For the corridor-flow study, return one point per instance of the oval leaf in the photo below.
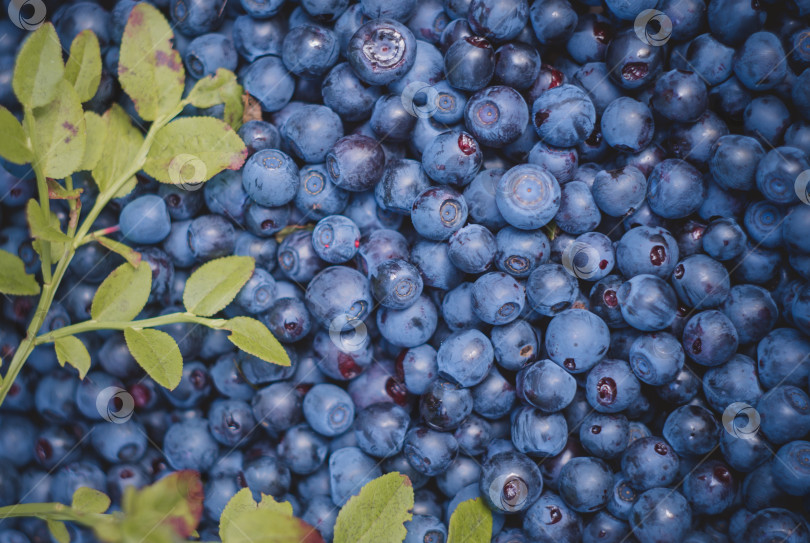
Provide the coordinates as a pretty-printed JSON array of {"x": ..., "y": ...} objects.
[
  {"x": 254, "y": 338},
  {"x": 216, "y": 283},
  {"x": 39, "y": 69},
  {"x": 58, "y": 530},
  {"x": 471, "y": 523},
  {"x": 208, "y": 143},
  {"x": 123, "y": 294},
  {"x": 90, "y": 500},
  {"x": 59, "y": 133},
  {"x": 243, "y": 501},
  {"x": 378, "y": 512},
  {"x": 71, "y": 350},
  {"x": 175, "y": 500},
  {"x": 83, "y": 68},
  {"x": 14, "y": 143},
  {"x": 246, "y": 523},
  {"x": 96, "y": 128},
  {"x": 40, "y": 227},
  {"x": 13, "y": 279},
  {"x": 157, "y": 353},
  {"x": 149, "y": 69},
  {"x": 220, "y": 88},
  {"x": 121, "y": 142}
]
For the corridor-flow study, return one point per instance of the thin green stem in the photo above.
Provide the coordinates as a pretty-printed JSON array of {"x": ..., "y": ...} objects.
[
  {"x": 88, "y": 326},
  {"x": 27, "y": 345}
]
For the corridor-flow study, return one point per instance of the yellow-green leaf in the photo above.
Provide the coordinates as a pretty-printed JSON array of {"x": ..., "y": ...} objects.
[
  {"x": 254, "y": 338},
  {"x": 121, "y": 143},
  {"x": 14, "y": 143},
  {"x": 471, "y": 523},
  {"x": 149, "y": 69},
  {"x": 39, "y": 70},
  {"x": 59, "y": 133},
  {"x": 83, "y": 68},
  {"x": 58, "y": 192},
  {"x": 42, "y": 228},
  {"x": 58, "y": 530},
  {"x": 157, "y": 353},
  {"x": 378, "y": 512},
  {"x": 96, "y": 128},
  {"x": 220, "y": 88},
  {"x": 90, "y": 500},
  {"x": 216, "y": 283},
  {"x": 245, "y": 521},
  {"x": 71, "y": 350},
  {"x": 175, "y": 500},
  {"x": 212, "y": 144},
  {"x": 13, "y": 278},
  {"x": 123, "y": 294},
  {"x": 243, "y": 501},
  {"x": 130, "y": 255}
]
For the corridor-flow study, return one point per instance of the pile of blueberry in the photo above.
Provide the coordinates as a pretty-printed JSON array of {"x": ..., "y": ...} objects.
[{"x": 555, "y": 255}]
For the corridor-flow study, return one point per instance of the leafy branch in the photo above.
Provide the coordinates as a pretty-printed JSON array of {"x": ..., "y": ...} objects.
[{"x": 57, "y": 137}]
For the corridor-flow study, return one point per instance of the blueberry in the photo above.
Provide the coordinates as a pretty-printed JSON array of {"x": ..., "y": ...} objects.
[
  {"x": 710, "y": 338},
  {"x": 546, "y": 386},
  {"x": 452, "y": 157},
  {"x": 496, "y": 116},
  {"x": 189, "y": 445},
  {"x": 444, "y": 405},
  {"x": 692, "y": 430},
  {"x": 549, "y": 518},
  {"x": 381, "y": 51},
  {"x": 497, "y": 298},
  {"x": 469, "y": 63},
  {"x": 518, "y": 252},
  {"x": 355, "y": 163},
  {"x": 585, "y": 484},
  {"x": 551, "y": 289},
  {"x": 632, "y": 63},
  {"x": 328, "y": 409},
  {"x": 680, "y": 96},
  {"x": 438, "y": 212},
  {"x": 145, "y": 220},
  {"x": 528, "y": 196},
  {"x": 465, "y": 357},
  {"x": 564, "y": 116},
  {"x": 661, "y": 514},
  {"x": 409, "y": 327},
  {"x": 429, "y": 451},
  {"x": 619, "y": 192},
  {"x": 647, "y": 302},
  {"x": 380, "y": 429},
  {"x": 604, "y": 435},
  {"x": 536, "y": 433},
  {"x": 494, "y": 396}
]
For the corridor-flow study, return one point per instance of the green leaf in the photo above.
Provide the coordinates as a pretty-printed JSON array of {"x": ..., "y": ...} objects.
[
  {"x": 157, "y": 353},
  {"x": 245, "y": 521},
  {"x": 121, "y": 142},
  {"x": 175, "y": 500},
  {"x": 13, "y": 279},
  {"x": 216, "y": 283},
  {"x": 208, "y": 143},
  {"x": 58, "y": 530},
  {"x": 96, "y": 128},
  {"x": 243, "y": 501},
  {"x": 131, "y": 255},
  {"x": 59, "y": 133},
  {"x": 254, "y": 338},
  {"x": 71, "y": 350},
  {"x": 90, "y": 500},
  {"x": 123, "y": 294},
  {"x": 41, "y": 228},
  {"x": 220, "y": 88},
  {"x": 14, "y": 143},
  {"x": 149, "y": 69},
  {"x": 58, "y": 192},
  {"x": 39, "y": 70},
  {"x": 378, "y": 512},
  {"x": 83, "y": 68},
  {"x": 471, "y": 523}
]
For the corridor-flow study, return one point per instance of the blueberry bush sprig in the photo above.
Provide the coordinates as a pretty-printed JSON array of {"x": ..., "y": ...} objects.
[{"x": 59, "y": 138}]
